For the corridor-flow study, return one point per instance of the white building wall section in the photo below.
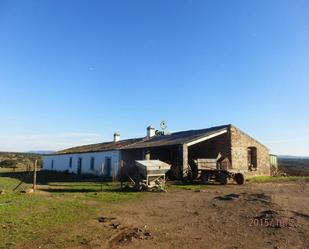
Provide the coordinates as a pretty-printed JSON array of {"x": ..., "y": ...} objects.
[{"x": 62, "y": 162}]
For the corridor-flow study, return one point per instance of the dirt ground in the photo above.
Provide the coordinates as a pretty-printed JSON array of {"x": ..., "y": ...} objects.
[{"x": 255, "y": 215}]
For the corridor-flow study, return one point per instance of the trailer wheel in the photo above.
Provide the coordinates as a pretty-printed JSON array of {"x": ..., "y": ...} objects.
[
  {"x": 222, "y": 178},
  {"x": 239, "y": 178},
  {"x": 205, "y": 177},
  {"x": 138, "y": 186}
]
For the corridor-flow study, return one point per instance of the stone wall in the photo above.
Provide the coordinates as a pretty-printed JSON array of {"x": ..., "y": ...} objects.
[{"x": 239, "y": 153}]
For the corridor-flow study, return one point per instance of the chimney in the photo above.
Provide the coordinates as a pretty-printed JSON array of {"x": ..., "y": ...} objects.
[
  {"x": 116, "y": 137},
  {"x": 151, "y": 131}
]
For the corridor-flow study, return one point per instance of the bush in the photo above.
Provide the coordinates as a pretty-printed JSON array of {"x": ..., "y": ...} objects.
[{"x": 8, "y": 163}]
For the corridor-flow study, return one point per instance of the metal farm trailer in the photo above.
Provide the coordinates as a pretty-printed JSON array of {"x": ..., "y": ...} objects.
[{"x": 210, "y": 169}]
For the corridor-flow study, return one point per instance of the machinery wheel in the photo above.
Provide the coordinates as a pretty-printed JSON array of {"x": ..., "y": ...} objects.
[
  {"x": 138, "y": 186},
  {"x": 222, "y": 178},
  {"x": 205, "y": 177},
  {"x": 239, "y": 178}
]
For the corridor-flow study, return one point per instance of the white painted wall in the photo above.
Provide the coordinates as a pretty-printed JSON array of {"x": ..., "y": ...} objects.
[{"x": 62, "y": 162}]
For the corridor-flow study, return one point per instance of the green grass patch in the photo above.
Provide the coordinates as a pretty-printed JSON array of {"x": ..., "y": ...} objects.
[
  {"x": 7, "y": 183},
  {"x": 186, "y": 186},
  {"x": 275, "y": 178},
  {"x": 113, "y": 196},
  {"x": 103, "y": 192},
  {"x": 24, "y": 216}
]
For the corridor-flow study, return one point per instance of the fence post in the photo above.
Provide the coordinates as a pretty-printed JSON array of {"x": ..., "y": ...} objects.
[{"x": 34, "y": 175}]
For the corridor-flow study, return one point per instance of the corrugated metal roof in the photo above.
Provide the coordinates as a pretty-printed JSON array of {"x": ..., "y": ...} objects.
[
  {"x": 156, "y": 141},
  {"x": 175, "y": 138},
  {"x": 100, "y": 146}
]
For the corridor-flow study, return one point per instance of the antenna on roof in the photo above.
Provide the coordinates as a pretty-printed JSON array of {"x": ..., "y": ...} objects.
[{"x": 163, "y": 127}]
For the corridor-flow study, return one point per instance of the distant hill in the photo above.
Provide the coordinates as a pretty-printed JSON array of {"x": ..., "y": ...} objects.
[
  {"x": 42, "y": 152},
  {"x": 293, "y": 165},
  {"x": 293, "y": 161},
  {"x": 293, "y": 157},
  {"x": 22, "y": 160}
]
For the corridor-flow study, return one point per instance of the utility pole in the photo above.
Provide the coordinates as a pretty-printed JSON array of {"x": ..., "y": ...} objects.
[{"x": 34, "y": 175}]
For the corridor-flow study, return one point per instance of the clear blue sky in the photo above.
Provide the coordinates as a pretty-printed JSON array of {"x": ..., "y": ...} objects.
[{"x": 74, "y": 72}]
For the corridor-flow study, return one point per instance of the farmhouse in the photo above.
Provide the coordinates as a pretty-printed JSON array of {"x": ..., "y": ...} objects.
[{"x": 237, "y": 151}]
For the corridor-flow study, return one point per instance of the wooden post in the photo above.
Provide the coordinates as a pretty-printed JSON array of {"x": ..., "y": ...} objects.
[
  {"x": 183, "y": 156},
  {"x": 185, "y": 166},
  {"x": 34, "y": 175}
]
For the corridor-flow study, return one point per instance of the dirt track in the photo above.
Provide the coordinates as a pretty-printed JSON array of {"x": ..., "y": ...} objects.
[
  {"x": 222, "y": 217},
  {"x": 217, "y": 217}
]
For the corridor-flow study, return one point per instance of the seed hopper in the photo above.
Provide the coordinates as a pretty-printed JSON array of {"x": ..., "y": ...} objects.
[{"x": 150, "y": 174}]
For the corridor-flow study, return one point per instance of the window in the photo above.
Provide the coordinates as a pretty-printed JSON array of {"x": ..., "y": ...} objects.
[
  {"x": 70, "y": 162},
  {"x": 92, "y": 163},
  {"x": 79, "y": 166},
  {"x": 52, "y": 164},
  {"x": 252, "y": 158}
]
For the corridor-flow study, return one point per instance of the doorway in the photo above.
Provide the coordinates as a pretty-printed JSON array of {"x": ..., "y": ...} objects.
[
  {"x": 108, "y": 166},
  {"x": 79, "y": 166}
]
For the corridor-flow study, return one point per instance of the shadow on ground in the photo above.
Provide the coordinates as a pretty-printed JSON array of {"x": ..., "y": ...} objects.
[
  {"x": 61, "y": 181},
  {"x": 45, "y": 177}
]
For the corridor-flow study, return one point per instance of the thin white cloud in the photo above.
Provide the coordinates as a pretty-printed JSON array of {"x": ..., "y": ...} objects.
[{"x": 21, "y": 142}]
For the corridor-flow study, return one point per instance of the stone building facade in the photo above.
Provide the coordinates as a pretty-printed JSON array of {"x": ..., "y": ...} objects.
[{"x": 248, "y": 154}]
